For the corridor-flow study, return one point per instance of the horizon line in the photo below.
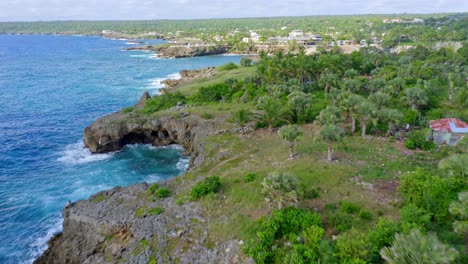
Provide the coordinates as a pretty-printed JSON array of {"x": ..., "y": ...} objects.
[{"x": 222, "y": 18}]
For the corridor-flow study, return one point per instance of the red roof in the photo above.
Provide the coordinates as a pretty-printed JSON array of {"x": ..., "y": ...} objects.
[{"x": 449, "y": 125}]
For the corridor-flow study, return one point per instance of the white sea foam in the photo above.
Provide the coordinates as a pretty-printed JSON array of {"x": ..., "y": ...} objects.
[
  {"x": 39, "y": 245},
  {"x": 157, "y": 83},
  {"x": 78, "y": 154},
  {"x": 183, "y": 163}
]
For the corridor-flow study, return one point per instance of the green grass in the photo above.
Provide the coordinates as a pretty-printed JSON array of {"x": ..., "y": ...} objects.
[
  {"x": 218, "y": 77},
  {"x": 99, "y": 198}
]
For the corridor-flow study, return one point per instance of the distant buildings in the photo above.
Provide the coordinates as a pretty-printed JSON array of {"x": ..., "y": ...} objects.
[
  {"x": 399, "y": 20},
  {"x": 296, "y": 33}
]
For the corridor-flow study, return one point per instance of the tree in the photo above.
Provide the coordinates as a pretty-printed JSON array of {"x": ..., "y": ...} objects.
[
  {"x": 291, "y": 134},
  {"x": 415, "y": 97},
  {"x": 350, "y": 105},
  {"x": 328, "y": 80},
  {"x": 273, "y": 110},
  {"x": 380, "y": 99},
  {"x": 393, "y": 118},
  {"x": 376, "y": 85},
  {"x": 330, "y": 115},
  {"x": 299, "y": 101},
  {"x": 366, "y": 112},
  {"x": 331, "y": 134},
  {"x": 417, "y": 248}
]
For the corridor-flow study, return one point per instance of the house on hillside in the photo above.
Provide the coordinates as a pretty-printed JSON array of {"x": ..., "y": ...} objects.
[{"x": 448, "y": 130}]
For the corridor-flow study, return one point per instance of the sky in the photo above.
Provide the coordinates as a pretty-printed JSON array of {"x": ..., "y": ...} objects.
[{"x": 33, "y": 10}]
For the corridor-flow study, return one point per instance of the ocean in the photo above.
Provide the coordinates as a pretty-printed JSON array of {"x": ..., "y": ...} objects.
[{"x": 51, "y": 88}]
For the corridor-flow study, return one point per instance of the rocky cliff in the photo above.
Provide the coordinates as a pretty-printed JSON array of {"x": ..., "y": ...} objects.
[
  {"x": 181, "y": 51},
  {"x": 187, "y": 76},
  {"x": 120, "y": 225}
]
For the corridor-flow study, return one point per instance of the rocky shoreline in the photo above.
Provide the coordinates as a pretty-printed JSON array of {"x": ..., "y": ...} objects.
[
  {"x": 106, "y": 228},
  {"x": 183, "y": 51}
]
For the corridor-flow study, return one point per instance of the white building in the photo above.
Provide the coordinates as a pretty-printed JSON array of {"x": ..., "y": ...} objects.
[{"x": 296, "y": 33}]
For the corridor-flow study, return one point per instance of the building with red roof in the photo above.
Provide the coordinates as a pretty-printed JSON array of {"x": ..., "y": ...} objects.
[{"x": 448, "y": 130}]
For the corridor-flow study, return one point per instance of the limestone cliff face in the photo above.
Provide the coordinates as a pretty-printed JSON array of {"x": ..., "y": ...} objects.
[
  {"x": 112, "y": 132},
  {"x": 106, "y": 229},
  {"x": 115, "y": 226}
]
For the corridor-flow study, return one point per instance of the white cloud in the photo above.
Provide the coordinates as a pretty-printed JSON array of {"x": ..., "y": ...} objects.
[{"x": 14, "y": 10}]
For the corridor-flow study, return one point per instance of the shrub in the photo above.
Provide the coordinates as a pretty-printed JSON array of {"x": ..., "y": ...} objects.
[
  {"x": 208, "y": 186},
  {"x": 351, "y": 247},
  {"x": 140, "y": 212},
  {"x": 311, "y": 193},
  {"x": 281, "y": 189},
  {"x": 417, "y": 139},
  {"x": 250, "y": 177},
  {"x": 206, "y": 116},
  {"x": 349, "y": 207},
  {"x": 163, "y": 102},
  {"x": 380, "y": 236},
  {"x": 213, "y": 93},
  {"x": 128, "y": 110},
  {"x": 412, "y": 217},
  {"x": 365, "y": 214},
  {"x": 228, "y": 66},
  {"x": 162, "y": 193},
  {"x": 153, "y": 188},
  {"x": 291, "y": 225},
  {"x": 245, "y": 62},
  {"x": 155, "y": 211}
]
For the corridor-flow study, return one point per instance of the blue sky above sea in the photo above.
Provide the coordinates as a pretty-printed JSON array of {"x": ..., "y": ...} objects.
[{"x": 33, "y": 10}]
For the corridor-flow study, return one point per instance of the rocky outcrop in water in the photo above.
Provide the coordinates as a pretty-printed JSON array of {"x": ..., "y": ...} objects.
[
  {"x": 182, "y": 51},
  {"x": 130, "y": 225}
]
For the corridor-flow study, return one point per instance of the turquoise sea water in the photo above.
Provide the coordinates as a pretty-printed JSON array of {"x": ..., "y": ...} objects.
[{"x": 51, "y": 88}]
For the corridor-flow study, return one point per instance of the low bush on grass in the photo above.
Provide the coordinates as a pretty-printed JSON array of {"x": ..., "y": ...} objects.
[
  {"x": 208, "y": 186},
  {"x": 206, "y": 116},
  {"x": 250, "y": 177},
  {"x": 284, "y": 232},
  {"x": 155, "y": 211},
  {"x": 163, "y": 102},
  {"x": 417, "y": 140},
  {"x": 228, "y": 66},
  {"x": 162, "y": 192}
]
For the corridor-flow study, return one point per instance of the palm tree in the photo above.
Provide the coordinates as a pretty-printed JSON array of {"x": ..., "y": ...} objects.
[
  {"x": 349, "y": 104},
  {"x": 376, "y": 85},
  {"x": 455, "y": 166},
  {"x": 240, "y": 117},
  {"x": 417, "y": 248},
  {"x": 331, "y": 134},
  {"x": 330, "y": 115},
  {"x": 299, "y": 101},
  {"x": 393, "y": 117},
  {"x": 366, "y": 112},
  {"x": 460, "y": 210},
  {"x": 291, "y": 134},
  {"x": 380, "y": 99},
  {"x": 328, "y": 80},
  {"x": 281, "y": 189},
  {"x": 415, "y": 97},
  {"x": 273, "y": 110}
]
